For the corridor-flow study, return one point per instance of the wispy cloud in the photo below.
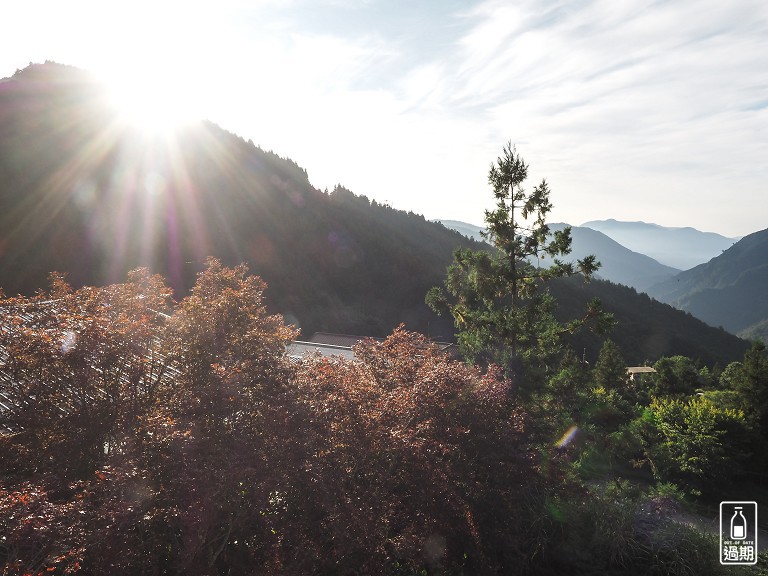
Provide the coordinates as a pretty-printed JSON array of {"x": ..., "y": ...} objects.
[
  {"x": 633, "y": 109},
  {"x": 637, "y": 109},
  {"x": 660, "y": 101}
]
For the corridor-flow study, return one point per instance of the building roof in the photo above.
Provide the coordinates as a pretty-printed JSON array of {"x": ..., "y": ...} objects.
[
  {"x": 633, "y": 371},
  {"x": 347, "y": 340},
  {"x": 640, "y": 370},
  {"x": 297, "y": 349}
]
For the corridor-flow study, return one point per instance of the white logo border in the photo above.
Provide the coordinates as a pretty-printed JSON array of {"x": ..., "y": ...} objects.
[{"x": 756, "y": 529}]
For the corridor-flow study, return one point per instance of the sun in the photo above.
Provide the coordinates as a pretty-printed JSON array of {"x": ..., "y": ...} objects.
[
  {"x": 165, "y": 63},
  {"x": 157, "y": 68},
  {"x": 154, "y": 105}
]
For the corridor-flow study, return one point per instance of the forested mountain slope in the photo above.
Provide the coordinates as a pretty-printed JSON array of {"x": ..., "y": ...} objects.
[
  {"x": 84, "y": 194},
  {"x": 618, "y": 263},
  {"x": 647, "y": 329},
  {"x": 81, "y": 193},
  {"x": 731, "y": 290}
]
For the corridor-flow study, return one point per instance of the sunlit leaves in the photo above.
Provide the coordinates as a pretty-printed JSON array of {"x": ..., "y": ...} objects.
[
  {"x": 81, "y": 366},
  {"x": 184, "y": 441},
  {"x": 694, "y": 442},
  {"x": 410, "y": 444}
]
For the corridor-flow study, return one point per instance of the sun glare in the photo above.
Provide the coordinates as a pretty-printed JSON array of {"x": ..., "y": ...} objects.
[
  {"x": 152, "y": 106},
  {"x": 158, "y": 69}
]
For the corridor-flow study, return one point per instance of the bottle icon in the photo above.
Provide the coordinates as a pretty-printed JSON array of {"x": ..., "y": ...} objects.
[{"x": 738, "y": 525}]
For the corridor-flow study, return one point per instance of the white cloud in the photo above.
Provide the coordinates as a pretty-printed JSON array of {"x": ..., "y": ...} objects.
[
  {"x": 636, "y": 109},
  {"x": 633, "y": 106}
]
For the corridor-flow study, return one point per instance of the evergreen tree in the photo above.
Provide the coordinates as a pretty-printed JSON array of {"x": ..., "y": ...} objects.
[
  {"x": 498, "y": 300},
  {"x": 611, "y": 368},
  {"x": 614, "y": 400},
  {"x": 752, "y": 384}
]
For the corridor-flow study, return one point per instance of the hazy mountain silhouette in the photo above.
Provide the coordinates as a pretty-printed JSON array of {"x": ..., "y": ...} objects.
[
  {"x": 469, "y": 230},
  {"x": 84, "y": 194},
  {"x": 730, "y": 290},
  {"x": 618, "y": 264},
  {"x": 680, "y": 248}
]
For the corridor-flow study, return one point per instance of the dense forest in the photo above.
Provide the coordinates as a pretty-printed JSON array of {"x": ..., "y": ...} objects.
[
  {"x": 727, "y": 291},
  {"x": 147, "y": 436}
]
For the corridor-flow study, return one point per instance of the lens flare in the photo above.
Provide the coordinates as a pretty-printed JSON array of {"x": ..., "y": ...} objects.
[
  {"x": 568, "y": 437},
  {"x": 68, "y": 342}
]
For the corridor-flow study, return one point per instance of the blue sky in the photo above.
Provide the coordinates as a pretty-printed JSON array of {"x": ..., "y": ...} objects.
[{"x": 634, "y": 110}]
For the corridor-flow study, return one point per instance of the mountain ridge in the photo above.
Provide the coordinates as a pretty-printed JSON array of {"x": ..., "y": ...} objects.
[
  {"x": 729, "y": 290},
  {"x": 678, "y": 247},
  {"x": 79, "y": 196},
  {"x": 618, "y": 263}
]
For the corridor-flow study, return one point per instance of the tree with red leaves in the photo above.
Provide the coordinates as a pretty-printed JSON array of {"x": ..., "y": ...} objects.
[
  {"x": 237, "y": 461},
  {"x": 418, "y": 461}
]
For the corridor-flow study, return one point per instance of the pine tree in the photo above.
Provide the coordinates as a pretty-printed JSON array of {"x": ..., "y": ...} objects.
[
  {"x": 611, "y": 368},
  {"x": 498, "y": 299},
  {"x": 753, "y": 385}
]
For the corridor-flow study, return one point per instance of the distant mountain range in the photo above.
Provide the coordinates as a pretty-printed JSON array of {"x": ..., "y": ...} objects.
[
  {"x": 618, "y": 263},
  {"x": 731, "y": 290},
  {"x": 680, "y": 248},
  {"x": 464, "y": 228},
  {"x": 82, "y": 194}
]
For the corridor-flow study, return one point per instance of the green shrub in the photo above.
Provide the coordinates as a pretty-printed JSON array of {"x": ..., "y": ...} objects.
[{"x": 695, "y": 443}]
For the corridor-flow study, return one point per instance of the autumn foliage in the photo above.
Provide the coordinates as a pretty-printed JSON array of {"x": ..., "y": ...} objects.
[{"x": 145, "y": 436}]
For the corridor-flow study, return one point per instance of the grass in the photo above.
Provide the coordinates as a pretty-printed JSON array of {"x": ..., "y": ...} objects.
[{"x": 610, "y": 533}]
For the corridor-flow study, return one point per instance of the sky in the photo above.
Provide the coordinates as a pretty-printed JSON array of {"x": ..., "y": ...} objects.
[{"x": 634, "y": 110}]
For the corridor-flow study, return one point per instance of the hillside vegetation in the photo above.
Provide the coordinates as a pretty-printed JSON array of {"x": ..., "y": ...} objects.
[
  {"x": 139, "y": 435},
  {"x": 729, "y": 291},
  {"x": 156, "y": 424},
  {"x": 86, "y": 195}
]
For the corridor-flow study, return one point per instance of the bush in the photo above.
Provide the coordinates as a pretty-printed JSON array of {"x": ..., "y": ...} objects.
[
  {"x": 694, "y": 443},
  {"x": 611, "y": 534},
  {"x": 237, "y": 461}
]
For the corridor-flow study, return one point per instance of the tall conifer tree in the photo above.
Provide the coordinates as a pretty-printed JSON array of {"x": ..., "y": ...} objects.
[{"x": 498, "y": 299}]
